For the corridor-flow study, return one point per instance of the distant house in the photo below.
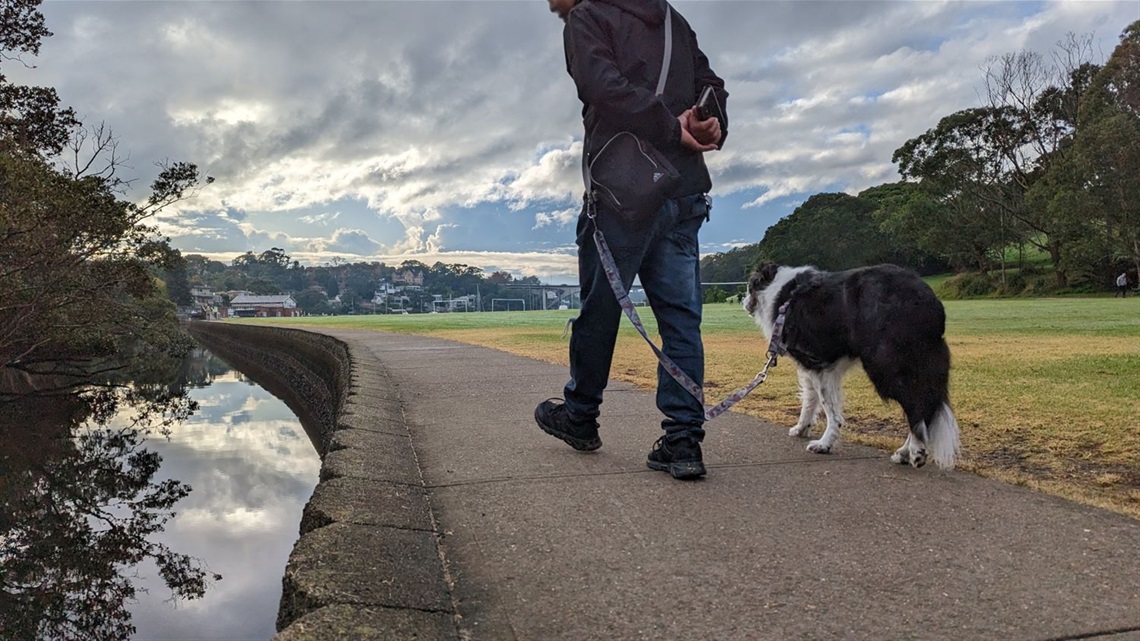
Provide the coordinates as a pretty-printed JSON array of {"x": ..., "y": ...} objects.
[
  {"x": 250, "y": 306},
  {"x": 203, "y": 295},
  {"x": 408, "y": 277},
  {"x": 207, "y": 304},
  {"x": 384, "y": 289}
]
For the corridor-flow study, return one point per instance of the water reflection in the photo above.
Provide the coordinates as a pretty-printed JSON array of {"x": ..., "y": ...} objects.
[
  {"x": 101, "y": 536},
  {"x": 252, "y": 469}
]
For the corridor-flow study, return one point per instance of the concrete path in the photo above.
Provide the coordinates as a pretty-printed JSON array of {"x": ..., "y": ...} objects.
[{"x": 541, "y": 542}]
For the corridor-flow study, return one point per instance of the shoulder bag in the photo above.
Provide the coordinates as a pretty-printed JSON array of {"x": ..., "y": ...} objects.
[{"x": 629, "y": 175}]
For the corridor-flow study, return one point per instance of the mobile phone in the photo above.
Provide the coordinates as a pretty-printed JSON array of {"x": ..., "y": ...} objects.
[{"x": 705, "y": 103}]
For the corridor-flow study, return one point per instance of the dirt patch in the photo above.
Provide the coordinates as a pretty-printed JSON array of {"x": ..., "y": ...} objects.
[
  {"x": 1106, "y": 475},
  {"x": 877, "y": 426},
  {"x": 1014, "y": 459}
]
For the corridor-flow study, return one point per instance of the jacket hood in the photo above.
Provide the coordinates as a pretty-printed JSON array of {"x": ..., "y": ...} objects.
[{"x": 651, "y": 12}]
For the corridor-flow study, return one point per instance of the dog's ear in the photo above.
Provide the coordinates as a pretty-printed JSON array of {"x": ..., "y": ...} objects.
[
  {"x": 763, "y": 276},
  {"x": 768, "y": 270}
]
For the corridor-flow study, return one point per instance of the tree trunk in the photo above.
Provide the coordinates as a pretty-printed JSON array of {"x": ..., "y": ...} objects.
[
  {"x": 1055, "y": 256},
  {"x": 983, "y": 262},
  {"x": 1002, "y": 249},
  {"x": 1136, "y": 258}
]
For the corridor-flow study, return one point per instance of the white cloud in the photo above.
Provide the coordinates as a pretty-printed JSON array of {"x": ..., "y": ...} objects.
[
  {"x": 560, "y": 218},
  {"x": 557, "y": 175},
  {"x": 320, "y": 219},
  {"x": 437, "y": 114},
  {"x": 354, "y": 242}
]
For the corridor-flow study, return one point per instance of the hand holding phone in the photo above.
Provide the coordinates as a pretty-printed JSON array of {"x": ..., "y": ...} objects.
[
  {"x": 705, "y": 121},
  {"x": 705, "y": 104}
]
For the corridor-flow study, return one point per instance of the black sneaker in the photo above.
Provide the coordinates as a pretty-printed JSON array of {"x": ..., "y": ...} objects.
[
  {"x": 552, "y": 416},
  {"x": 681, "y": 459}
]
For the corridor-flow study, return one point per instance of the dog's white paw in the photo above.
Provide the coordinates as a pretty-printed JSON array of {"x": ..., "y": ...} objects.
[
  {"x": 901, "y": 456},
  {"x": 800, "y": 431},
  {"x": 918, "y": 459},
  {"x": 819, "y": 447}
]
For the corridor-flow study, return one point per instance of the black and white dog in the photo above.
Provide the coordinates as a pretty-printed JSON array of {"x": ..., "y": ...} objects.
[{"x": 884, "y": 316}]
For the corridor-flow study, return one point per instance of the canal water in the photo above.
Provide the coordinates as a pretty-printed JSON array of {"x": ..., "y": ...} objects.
[{"x": 220, "y": 511}]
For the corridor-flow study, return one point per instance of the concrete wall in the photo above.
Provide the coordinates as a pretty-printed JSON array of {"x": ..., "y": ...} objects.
[
  {"x": 367, "y": 564},
  {"x": 310, "y": 372}
]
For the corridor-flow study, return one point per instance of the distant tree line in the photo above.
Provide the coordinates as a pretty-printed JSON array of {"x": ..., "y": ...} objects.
[
  {"x": 339, "y": 286},
  {"x": 1050, "y": 163}
]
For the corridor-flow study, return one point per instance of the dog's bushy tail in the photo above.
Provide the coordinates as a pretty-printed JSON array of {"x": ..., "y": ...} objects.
[{"x": 942, "y": 443}]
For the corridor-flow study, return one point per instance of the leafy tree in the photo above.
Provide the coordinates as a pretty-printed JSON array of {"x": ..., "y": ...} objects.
[
  {"x": 246, "y": 263},
  {"x": 1041, "y": 100},
  {"x": 274, "y": 258},
  {"x": 1108, "y": 148},
  {"x": 177, "y": 280},
  {"x": 262, "y": 286},
  {"x": 349, "y": 302},
  {"x": 414, "y": 265},
  {"x": 959, "y": 167},
  {"x": 31, "y": 119},
  {"x": 270, "y": 272},
  {"x": 230, "y": 280},
  {"x": 1091, "y": 187},
  {"x": 361, "y": 281},
  {"x": 77, "y": 262},
  {"x": 732, "y": 266},
  {"x": 904, "y": 246},
  {"x": 326, "y": 279},
  {"x": 287, "y": 273},
  {"x": 313, "y": 301},
  {"x": 831, "y": 231},
  {"x": 201, "y": 270}
]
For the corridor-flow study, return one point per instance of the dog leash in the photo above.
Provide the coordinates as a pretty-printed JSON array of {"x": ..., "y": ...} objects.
[
  {"x": 775, "y": 349},
  {"x": 775, "y": 344}
]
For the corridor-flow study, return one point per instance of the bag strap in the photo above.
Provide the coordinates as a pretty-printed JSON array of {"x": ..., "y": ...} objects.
[
  {"x": 661, "y": 78},
  {"x": 668, "y": 50}
]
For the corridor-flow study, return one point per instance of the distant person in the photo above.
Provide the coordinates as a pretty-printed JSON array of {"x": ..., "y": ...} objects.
[
  {"x": 614, "y": 52},
  {"x": 1122, "y": 285}
]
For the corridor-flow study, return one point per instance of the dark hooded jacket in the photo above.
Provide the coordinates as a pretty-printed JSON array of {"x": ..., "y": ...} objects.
[{"x": 614, "y": 50}]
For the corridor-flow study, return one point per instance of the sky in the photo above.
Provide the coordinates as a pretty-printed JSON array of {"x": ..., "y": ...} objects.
[{"x": 449, "y": 130}]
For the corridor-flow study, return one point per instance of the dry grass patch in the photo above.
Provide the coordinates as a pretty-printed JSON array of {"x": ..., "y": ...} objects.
[{"x": 1047, "y": 392}]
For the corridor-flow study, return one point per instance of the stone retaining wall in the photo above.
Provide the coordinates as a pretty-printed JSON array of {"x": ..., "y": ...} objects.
[
  {"x": 367, "y": 564},
  {"x": 309, "y": 372}
]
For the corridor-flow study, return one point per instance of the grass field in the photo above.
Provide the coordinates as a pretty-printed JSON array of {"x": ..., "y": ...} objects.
[{"x": 1047, "y": 391}]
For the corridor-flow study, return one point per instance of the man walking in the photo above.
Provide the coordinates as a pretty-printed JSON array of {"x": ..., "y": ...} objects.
[
  {"x": 614, "y": 53},
  {"x": 1122, "y": 285}
]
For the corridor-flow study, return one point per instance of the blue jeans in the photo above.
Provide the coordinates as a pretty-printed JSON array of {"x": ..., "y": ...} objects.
[{"x": 666, "y": 256}]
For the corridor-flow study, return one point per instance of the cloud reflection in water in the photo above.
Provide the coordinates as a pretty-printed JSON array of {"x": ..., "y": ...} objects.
[{"x": 252, "y": 469}]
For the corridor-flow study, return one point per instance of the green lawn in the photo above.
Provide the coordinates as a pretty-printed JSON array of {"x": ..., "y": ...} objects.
[{"x": 1047, "y": 391}]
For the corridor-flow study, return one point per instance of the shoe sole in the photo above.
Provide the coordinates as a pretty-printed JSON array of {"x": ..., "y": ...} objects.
[
  {"x": 683, "y": 471},
  {"x": 582, "y": 445}
]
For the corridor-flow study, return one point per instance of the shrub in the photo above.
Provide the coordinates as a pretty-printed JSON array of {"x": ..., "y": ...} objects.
[
  {"x": 968, "y": 285},
  {"x": 1014, "y": 285}
]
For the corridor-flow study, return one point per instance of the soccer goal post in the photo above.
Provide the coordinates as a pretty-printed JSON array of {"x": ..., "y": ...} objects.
[{"x": 507, "y": 302}]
